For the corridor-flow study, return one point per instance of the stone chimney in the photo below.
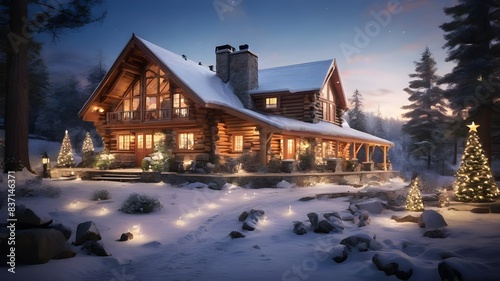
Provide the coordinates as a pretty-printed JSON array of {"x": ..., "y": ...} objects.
[
  {"x": 222, "y": 61},
  {"x": 240, "y": 68}
]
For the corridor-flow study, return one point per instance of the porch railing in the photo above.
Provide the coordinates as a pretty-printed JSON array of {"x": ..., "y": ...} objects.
[{"x": 161, "y": 114}]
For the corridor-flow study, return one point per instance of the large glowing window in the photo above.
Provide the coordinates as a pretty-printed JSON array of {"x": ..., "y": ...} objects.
[
  {"x": 238, "y": 143},
  {"x": 186, "y": 141}
]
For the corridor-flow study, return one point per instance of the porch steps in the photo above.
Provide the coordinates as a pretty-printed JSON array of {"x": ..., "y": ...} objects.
[{"x": 122, "y": 177}]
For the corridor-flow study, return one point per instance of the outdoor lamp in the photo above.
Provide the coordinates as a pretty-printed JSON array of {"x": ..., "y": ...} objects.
[{"x": 45, "y": 165}]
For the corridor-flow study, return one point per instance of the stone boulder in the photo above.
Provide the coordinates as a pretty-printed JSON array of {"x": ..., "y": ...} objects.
[
  {"x": 36, "y": 246},
  {"x": 27, "y": 218},
  {"x": 86, "y": 231},
  {"x": 236, "y": 234},
  {"x": 362, "y": 241},
  {"x": 394, "y": 264},
  {"x": 437, "y": 233},
  {"x": 65, "y": 230},
  {"x": 430, "y": 219},
  {"x": 336, "y": 221},
  {"x": 455, "y": 268},
  {"x": 339, "y": 253},
  {"x": 126, "y": 236},
  {"x": 319, "y": 224},
  {"x": 408, "y": 218},
  {"x": 373, "y": 207},
  {"x": 364, "y": 219},
  {"x": 251, "y": 219},
  {"x": 96, "y": 248},
  {"x": 299, "y": 228}
]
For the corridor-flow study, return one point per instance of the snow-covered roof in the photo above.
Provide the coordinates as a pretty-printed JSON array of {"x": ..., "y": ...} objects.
[
  {"x": 293, "y": 78},
  {"x": 212, "y": 91}
]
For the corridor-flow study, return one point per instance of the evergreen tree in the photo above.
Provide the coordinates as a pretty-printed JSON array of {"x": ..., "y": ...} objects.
[
  {"x": 355, "y": 115},
  {"x": 414, "y": 199},
  {"x": 426, "y": 113},
  {"x": 65, "y": 158},
  {"x": 53, "y": 18},
  {"x": 88, "y": 145},
  {"x": 474, "y": 181},
  {"x": 473, "y": 43}
]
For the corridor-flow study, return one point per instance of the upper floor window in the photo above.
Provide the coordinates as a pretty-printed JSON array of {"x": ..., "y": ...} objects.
[
  {"x": 157, "y": 92},
  {"x": 238, "y": 143},
  {"x": 180, "y": 106},
  {"x": 328, "y": 111},
  {"x": 272, "y": 102}
]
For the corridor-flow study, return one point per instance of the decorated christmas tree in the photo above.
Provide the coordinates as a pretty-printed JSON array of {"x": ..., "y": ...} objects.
[
  {"x": 414, "y": 199},
  {"x": 474, "y": 181},
  {"x": 65, "y": 158},
  {"x": 88, "y": 145}
]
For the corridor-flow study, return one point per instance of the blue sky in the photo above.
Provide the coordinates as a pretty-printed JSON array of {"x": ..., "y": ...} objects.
[{"x": 374, "y": 42}]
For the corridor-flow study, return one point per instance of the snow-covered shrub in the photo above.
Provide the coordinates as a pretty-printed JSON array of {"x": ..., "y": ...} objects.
[
  {"x": 146, "y": 164},
  {"x": 140, "y": 203},
  {"x": 274, "y": 166},
  {"x": 105, "y": 160},
  {"x": 160, "y": 158},
  {"x": 100, "y": 195},
  {"x": 306, "y": 161},
  {"x": 31, "y": 190},
  {"x": 250, "y": 162}
]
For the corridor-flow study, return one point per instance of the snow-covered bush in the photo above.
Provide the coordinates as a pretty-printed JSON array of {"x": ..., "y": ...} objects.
[
  {"x": 274, "y": 166},
  {"x": 105, "y": 160},
  {"x": 146, "y": 163},
  {"x": 250, "y": 162},
  {"x": 37, "y": 190},
  {"x": 160, "y": 158},
  {"x": 140, "y": 203},
  {"x": 100, "y": 195}
]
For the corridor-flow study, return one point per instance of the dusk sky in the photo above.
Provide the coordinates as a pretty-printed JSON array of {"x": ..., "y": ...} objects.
[{"x": 374, "y": 42}]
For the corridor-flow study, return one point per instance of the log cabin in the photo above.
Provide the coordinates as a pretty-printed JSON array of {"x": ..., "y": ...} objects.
[{"x": 214, "y": 115}]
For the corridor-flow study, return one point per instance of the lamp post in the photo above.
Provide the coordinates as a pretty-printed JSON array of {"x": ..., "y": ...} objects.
[{"x": 45, "y": 165}]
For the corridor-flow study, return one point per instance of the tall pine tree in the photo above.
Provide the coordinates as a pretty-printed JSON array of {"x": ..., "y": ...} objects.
[
  {"x": 355, "y": 115},
  {"x": 473, "y": 43},
  {"x": 426, "y": 113},
  {"x": 53, "y": 18}
]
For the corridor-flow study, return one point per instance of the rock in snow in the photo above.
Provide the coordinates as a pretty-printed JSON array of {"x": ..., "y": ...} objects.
[
  {"x": 299, "y": 228},
  {"x": 430, "y": 219},
  {"x": 394, "y": 264},
  {"x": 460, "y": 269},
  {"x": 86, "y": 231},
  {"x": 362, "y": 241},
  {"x": 373, "y": 207},
  {"x": 35, "y": 246},
  {"x": 236, "y": 234}
]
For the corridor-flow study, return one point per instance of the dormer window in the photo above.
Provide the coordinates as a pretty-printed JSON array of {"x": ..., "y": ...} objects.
[{"x": 272, "y": 102}]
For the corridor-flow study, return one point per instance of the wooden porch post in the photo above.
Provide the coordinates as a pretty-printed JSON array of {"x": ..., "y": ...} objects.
[
  {"x": 265, "y": 136},
  {"x": 384, "y": 148},
  {"x": 353, "y": 150},
  {"x": 367, "y": 152},
  {"x": 337, "y": 149}
]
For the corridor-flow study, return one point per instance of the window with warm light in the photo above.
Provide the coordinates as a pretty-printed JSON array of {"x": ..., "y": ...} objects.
[
  {"x": 238, "y": 143},
  {"x": 124, "y": 142},
  {"x": 272, "y": 102},
  {"x": 149, "y": 141},
  {"x": 139, "y": 142},
  {"x": 290, "y": 148},
  {"x": 186, "y": 141},
  {"x": 180, "y": 106}
]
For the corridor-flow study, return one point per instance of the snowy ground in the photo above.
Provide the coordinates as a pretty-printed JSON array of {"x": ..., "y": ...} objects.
[{"x": 198, "y": 246}]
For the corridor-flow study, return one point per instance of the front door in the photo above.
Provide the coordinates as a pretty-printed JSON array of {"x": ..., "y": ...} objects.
[
  {"x": 289, "y": 148},
  {"x": 144, "y": 145}
]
